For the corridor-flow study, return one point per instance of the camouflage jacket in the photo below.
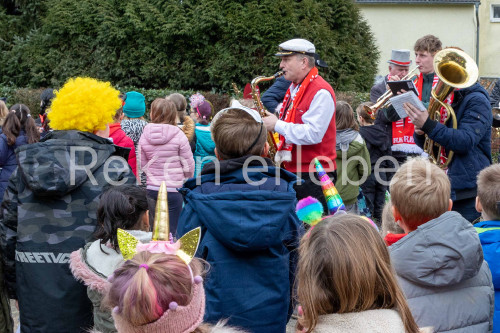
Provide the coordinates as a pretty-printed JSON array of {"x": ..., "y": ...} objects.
[{"x": 48, "y": 211}]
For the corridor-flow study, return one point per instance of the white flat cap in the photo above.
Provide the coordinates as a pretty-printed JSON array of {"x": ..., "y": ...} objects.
[{"x": 296, "y": 45}]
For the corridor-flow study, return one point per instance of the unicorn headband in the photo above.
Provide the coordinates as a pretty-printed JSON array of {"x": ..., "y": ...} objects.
[{"x": 162, "y": 240}]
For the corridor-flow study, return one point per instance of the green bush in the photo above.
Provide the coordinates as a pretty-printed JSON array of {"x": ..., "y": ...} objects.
[{"x": 201, "y": 45}]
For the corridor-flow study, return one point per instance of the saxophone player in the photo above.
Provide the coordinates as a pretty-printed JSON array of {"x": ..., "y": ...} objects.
[{"x": 306, "y": 122}]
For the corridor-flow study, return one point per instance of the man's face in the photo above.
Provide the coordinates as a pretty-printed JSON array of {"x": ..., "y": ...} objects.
[
  {"x": 425, "y": 60},
  {"x": 396, "y": 70},
  {"x": 294, "y": 67}
]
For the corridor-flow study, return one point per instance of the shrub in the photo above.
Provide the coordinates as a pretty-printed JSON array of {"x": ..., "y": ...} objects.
[{"x": 202, "y": 45}]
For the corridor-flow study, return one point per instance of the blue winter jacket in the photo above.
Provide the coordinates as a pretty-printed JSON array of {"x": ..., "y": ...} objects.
[
  {"x": 249, "y": 237},
  {"x": 8, "y": 161},
  {"x": 204, "y": 147},
  {"x": 489, "y": 235},
  {"x": 470, "y": 142},
  {"x": 275, "y": 94}
]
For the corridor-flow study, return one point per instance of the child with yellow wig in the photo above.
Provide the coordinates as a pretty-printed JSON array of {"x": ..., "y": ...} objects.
[{"x": 49, "y": 207}]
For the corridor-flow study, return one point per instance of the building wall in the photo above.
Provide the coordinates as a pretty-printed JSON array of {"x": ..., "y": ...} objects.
[
  {"x": 489, "y": 41},
  {"x": 398, "y": 26}
]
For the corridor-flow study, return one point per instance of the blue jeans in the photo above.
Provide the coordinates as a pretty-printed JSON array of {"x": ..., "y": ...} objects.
[{"x": 174, "y": 209}]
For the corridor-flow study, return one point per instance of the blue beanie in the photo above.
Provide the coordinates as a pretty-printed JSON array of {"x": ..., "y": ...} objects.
[{"x": 135, "y": 105}]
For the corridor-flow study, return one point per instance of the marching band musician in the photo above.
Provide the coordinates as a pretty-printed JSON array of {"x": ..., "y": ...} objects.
[
  {"x": 398, "y": 68},
  {"x": 401, "y": 130},
  {"x": 306, "y": 122}
]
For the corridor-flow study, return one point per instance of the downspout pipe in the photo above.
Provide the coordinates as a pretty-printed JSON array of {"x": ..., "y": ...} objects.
[{"x": 476, "y": 4}]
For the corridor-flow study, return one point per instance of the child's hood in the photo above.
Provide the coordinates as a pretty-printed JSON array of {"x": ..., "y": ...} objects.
[
  {"x": 48, "y": 167},
  {"x": 441, "y": 252},
  {"x": 160, "y": 134},
  {"x": 204, "y": 138},
  {"x": 349, "y": 141}
]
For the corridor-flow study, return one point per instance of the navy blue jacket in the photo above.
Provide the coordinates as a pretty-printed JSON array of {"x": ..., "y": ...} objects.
[
  {"x": 275, "y": 94},
  {"x": 8, "y": 161},
  {"x": 489, "y": 235},
  {"x": 248, "y": 235},
  {"x": 471, "y": 141}
]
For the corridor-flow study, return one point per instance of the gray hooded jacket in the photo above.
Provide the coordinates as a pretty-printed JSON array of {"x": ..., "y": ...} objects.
[{"x": 447, "y": 283}]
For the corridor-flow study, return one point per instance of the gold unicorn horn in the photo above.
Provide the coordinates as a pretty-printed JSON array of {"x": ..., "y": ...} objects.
[{"x": 161, "y": 230}]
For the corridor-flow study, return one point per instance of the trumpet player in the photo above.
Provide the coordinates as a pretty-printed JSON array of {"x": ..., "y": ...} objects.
[
  {"x": 399, "y": 65},
  {"x": 401, "y": 130},
  {"x": 306, "y": 122}
]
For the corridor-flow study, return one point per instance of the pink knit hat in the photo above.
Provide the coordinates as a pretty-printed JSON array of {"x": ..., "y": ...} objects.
[{"x": 180, "y": 319}]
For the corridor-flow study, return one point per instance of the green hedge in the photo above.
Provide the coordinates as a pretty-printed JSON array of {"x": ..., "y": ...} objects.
[{"x": 190, "y": 44}]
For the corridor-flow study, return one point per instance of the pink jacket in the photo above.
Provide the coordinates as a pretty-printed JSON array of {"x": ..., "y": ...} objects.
[{"x": 165, "y": 156}]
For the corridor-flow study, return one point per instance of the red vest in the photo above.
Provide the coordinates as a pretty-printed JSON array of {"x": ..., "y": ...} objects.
[{"x": 326, "y": 147}]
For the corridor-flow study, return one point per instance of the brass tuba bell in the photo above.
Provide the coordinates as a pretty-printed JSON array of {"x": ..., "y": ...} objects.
[{"x": 455, "y": 70}]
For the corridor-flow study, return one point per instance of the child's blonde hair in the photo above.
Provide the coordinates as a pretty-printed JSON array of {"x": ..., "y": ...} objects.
[
  {"x": 344, "y": 116},
  {"x": 488, "y": 190},
  {"x": 389, "y": 225},
  {"x": 4, "y": 112},
  {"x": 234, "y": 133},
  {"x": 420, "y": 191},
  {"x": 344, "y": 266}
]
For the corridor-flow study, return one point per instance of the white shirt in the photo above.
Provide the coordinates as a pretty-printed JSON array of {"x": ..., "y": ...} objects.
[{"x": 315, "y": 120}]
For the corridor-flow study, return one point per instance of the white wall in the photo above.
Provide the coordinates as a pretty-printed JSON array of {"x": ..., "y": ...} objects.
[{"x": 398, "y": 26}]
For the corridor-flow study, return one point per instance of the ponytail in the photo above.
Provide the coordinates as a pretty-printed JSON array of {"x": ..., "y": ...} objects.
[
  {"x": 32, "y": 133},
  {"x": 19, "y": 119},
  {"x": 11, "y": 128},
  {"x": 142, "y": 291}
]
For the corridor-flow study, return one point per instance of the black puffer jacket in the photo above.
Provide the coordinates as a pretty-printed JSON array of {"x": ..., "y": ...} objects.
[
  {"x": 48, "y": 211},
  {"x": 378, "y": 143}
]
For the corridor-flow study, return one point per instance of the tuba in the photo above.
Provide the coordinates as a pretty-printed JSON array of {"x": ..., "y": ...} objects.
[
  {"x": 455, "y": 70},
  {"x": 260, "y": 107}
]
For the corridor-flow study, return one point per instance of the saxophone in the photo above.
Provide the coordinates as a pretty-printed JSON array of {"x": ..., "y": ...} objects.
[{"x": 260, "y": 107}]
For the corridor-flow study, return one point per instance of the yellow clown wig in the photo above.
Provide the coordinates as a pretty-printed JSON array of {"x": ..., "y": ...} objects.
[{"x": 84, "y": 104}]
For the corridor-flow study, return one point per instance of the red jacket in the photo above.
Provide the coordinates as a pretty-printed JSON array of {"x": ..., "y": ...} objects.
[
  {"x": 121, "y": 139},
  {"x": 327, "y": 146}
]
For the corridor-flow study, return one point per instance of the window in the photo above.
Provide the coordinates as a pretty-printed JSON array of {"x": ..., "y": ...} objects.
[{"x": 495, "y": 13}]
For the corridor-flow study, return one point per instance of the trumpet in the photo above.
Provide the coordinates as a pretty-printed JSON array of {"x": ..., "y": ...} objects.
[
  {"x": 455, "y": 70},
  {"x": 383, "y": 101},
  {"x": 260, "y": 107}
]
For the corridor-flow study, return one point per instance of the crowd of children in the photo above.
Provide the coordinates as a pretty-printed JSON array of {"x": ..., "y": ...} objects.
[{"x": 71, "y": 199}]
